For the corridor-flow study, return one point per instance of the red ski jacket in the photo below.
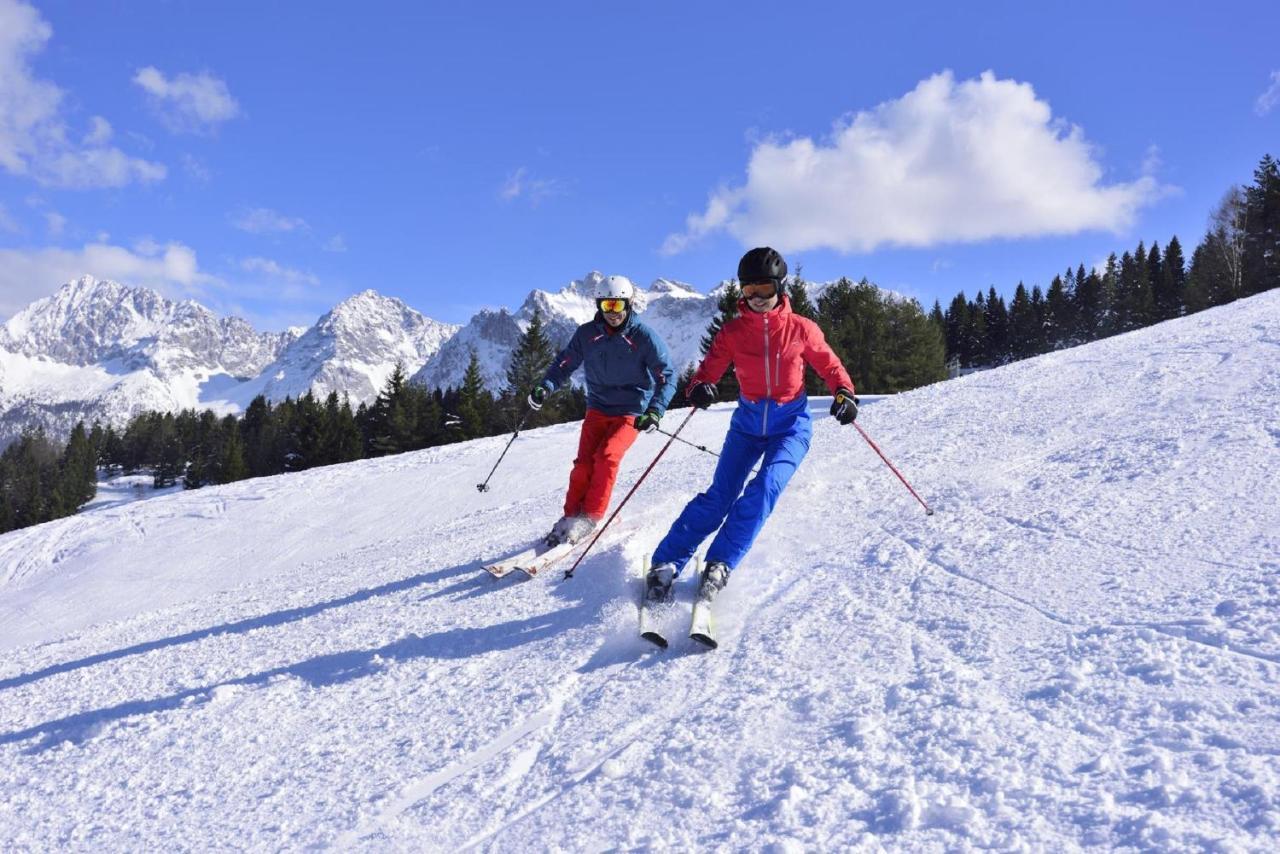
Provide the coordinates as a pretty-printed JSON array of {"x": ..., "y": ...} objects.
[{"x": 769, "y": 352}]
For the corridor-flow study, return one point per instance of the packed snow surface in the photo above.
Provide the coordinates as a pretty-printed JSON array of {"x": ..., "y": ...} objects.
[{"x": 1081, "y": 648}]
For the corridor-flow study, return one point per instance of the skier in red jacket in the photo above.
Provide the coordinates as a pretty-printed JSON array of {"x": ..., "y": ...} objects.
[{"x": 769, "y": 347}]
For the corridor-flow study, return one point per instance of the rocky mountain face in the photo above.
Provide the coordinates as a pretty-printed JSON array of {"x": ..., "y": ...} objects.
[{"x": 101, "y": 350}]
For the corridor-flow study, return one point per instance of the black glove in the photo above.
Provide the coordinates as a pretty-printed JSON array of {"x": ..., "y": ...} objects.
[
  {"x": 702, "y": 395},
  {"x": 649, "y": 421},
  {"x": 536, "y": 397},
  {"x": 845, "y": 406}
]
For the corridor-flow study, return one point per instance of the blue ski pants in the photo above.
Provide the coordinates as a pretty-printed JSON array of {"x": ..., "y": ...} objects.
[{"x": 778, "y": 433}]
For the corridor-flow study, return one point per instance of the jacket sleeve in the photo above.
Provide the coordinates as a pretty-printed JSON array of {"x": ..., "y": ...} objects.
[
  {"x": 566, "y": 362},
  {"x": 658, "y": 364},
  {"x": 822, "y": 358},
  {"x": 716, "y": 362}
]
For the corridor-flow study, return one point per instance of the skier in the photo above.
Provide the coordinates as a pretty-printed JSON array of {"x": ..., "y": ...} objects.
[
  {"x": 769, "y": 347},
  {"x": 629, "y": 384}
]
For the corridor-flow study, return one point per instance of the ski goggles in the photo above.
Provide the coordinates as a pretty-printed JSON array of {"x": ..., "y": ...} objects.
[
  {"x": 760, "y": 290},
  {"x": 612, "y": 306}
]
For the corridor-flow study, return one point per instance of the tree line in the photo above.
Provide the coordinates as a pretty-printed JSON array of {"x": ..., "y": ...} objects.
[
  {"x": 1239, "y": 256},
  {"x": 888, "y": 343}
]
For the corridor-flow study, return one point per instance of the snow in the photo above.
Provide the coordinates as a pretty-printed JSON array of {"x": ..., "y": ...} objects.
[{"x": 1080, "y": 649}]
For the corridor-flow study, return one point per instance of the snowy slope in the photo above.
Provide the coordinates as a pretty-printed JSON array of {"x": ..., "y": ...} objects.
[{"x": 1081, "y": 648}]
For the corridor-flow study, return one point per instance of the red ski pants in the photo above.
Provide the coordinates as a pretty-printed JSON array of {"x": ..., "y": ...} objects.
[{"x": 604, "y": 440}]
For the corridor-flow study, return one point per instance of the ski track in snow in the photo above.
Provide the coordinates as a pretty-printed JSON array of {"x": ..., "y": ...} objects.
[{"x": 1080, "y": 649}]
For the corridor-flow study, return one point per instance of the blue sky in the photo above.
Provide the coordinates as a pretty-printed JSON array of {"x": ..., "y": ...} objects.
[{"x": 271, "y": 159}]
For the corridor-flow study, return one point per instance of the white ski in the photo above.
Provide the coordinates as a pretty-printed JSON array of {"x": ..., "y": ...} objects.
[{"x": 536, "y": 556}]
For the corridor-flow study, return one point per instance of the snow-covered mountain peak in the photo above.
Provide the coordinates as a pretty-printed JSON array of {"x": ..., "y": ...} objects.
[
  {"x": 353, "y": 348},
  {"x": 672, "y": 288}
]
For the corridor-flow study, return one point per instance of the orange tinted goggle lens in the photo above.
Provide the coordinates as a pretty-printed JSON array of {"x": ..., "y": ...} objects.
[
  {"x": 764, "y": 290},
  {"x": 613, "y": 306}
]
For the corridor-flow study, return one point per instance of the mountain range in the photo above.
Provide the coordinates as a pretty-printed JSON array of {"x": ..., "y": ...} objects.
[{"x": 102, "y": 350}]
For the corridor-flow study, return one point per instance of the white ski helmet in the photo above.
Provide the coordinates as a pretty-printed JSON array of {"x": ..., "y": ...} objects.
[{"x": 616, "y": 287}]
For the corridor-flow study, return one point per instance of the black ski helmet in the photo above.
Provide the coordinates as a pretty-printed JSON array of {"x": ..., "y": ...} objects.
[{"x": 762, "y": 264}]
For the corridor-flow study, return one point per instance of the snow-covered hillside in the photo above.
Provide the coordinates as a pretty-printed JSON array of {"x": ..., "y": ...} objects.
[
  {"x": 100, "y": 350},
  {"x": 1080, "y": 649}
]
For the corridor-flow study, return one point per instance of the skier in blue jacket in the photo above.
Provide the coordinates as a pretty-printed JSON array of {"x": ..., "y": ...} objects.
[{"x": 630, "y": 381}]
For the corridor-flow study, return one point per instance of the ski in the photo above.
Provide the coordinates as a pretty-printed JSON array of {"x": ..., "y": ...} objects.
[
  {"x": 532, "y": 556},
  {"x": 703, "y": 628},
  {"x": 535, "y": 558},
  {"x": 536, "y": 564},
  {"x": 650, "y": 627}
]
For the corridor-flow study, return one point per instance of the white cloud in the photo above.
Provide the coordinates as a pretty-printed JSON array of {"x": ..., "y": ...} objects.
[
  {"x": 267, "y": 221},
  {"x": 188, "y": 103},
  {"x": 520, "y": 184},
  {"x": 55, "y": 223},
  {"x": 27, "y": 275},
  {"x": 274, "y": 270},
  {"x": 946, "y": 163},
  {"x": 1267, "y": 100},
  {"x": 99, "y": 132},
  {"x": 337, "y": 243},
  {"x": 34, "y": 139},
  {"x": 196, "y": 169}
]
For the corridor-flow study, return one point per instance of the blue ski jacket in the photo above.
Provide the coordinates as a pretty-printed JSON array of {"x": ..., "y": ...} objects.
[{"x": 628, "y": 369}]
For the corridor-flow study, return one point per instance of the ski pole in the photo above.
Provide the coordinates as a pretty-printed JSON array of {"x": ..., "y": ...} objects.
[
  {"x": 927, "y": 509},
  {"x": 484, "y": 487},
  {"x": 702, "y": 448},
  {"x": 569, "y": 572}
]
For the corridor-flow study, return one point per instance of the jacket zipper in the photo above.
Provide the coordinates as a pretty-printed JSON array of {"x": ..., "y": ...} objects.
[{"x": 768, "y": 380}]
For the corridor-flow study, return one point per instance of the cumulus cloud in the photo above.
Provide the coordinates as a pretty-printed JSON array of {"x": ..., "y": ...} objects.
[
  {"x": 266, "y": 221},
  {"x": 27, "y": 275},
  {"x": 949, "y": 162},
  {"x": 1267, "y": 100},
  {"x": 279, "y": 272},
  {"x": 520, "y": 184},
  {"x": 188, "y": 103},
  {"x": 35, "y": 140}
]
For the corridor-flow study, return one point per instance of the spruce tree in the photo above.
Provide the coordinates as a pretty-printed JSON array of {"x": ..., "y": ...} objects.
[
  {"x": 1171, "y": 296},
  {"x": 1022, "y": 324},
  {"x": 529, "y": 362},
  {"x": 997, "y": 323},
  {"x": 473, "y": 403},
  {"x": 1261, "y": 244},
  {"x": 1059, "y": 323}
]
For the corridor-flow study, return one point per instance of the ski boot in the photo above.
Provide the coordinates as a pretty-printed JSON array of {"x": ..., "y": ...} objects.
[
  {"x": 570, "y": 529},
  {"x": 657, "y": 584},
  {"x": 714, "y": 578}
]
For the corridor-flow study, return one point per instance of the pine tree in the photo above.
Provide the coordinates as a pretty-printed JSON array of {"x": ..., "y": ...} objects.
[
  {"x": 1261, "y": 245},
  {"x": 231, "y": 463},
  {"x": 1059, "y": 323},
  {"x": 957, "y": 321},
  {"x": 1109, "y": 318},
  {"x": 913, "y": 349},
  {"x": 529, "y": 363},
  {"x": 1171, "y": 295},
  {"x": 1022, "y": 324},
  {"x": 997, "y": 323},
  {"x": 473, "y": 402}
]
